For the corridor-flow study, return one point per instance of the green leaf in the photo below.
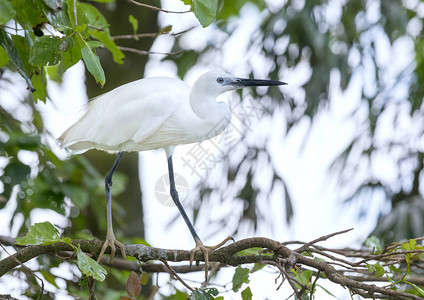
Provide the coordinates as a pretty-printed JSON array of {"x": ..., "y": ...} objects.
[
  {"x": 420, "y": 290},
  {"x": 39, "y": 80},
  {"x": 51, "y": 3},
  {"x": 144, "y": 278},
  {"x": 29, "y": 14},
  {"x": 246, "y": 294},
  {"x": 69, "y": 58},
  {"x": 165, "y": 29},
  {"x": 250, "y": 251},
  {"x": 204, "y": 294},
  {"x": 40, "y": 234},
  {"x": 374, "y": 243},
  {"x": 327, "y": 291},
  {"x": 89, "y": 266},
  {"x": 410, "y": 245},
  {"x": 101, "y": 31},
  {"x": 134, "y": 23},
  {"x": 107, "y": 41},
  {"x": 49, "y": 277},
  {"x": 92, "y": 61},
  {"x": 14, "y": 56},
  {"x": 376, "y": 269},
  {"x": 187, "y": 2},
  {"x": 205, "y": 11},
  {"x": 7, "y": 12},
  {"x": 4, "y": 58},
  {"x": 58, "y": 18},
  {"x": 241, "y": 276},
  {"x": 46, "y": 50}
]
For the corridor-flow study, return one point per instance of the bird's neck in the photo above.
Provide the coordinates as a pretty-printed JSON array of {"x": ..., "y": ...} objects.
[{"x": 216, "y": 114}]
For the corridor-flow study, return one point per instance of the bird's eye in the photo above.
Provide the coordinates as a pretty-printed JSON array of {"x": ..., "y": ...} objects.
[{"x": 220, "y": 80}]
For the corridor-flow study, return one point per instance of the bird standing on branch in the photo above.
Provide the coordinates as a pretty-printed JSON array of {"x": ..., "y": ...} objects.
[{"x": 154, "y": 113}]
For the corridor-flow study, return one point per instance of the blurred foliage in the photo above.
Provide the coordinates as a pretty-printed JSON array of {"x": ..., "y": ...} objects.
[{"x": 336, "y": 42}]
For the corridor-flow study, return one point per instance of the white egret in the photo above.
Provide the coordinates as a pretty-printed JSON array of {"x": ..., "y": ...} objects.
[{"x": 155, "y": 113}]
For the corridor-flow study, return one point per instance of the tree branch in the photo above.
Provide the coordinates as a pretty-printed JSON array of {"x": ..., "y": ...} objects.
[
  {"x": 281, "y": 257},
  {"x": 158, "y": 8}
]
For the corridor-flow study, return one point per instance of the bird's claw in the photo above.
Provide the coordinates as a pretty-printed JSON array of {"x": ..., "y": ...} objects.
[
  {"x": 111, "y": 241},
  {"x": 205, "y": 250}
]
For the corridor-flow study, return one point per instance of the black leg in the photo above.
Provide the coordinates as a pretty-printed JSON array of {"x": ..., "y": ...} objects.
[
  {"x": 174, "y": 195},
  {"x": 108, "y": 186},
  {"x": 110, "y": 237}
]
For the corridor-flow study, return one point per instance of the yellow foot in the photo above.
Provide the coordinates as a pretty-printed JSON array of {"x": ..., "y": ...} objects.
[
  {"x": 111, "y": 241},
  {"x": 205, "y": 250}
]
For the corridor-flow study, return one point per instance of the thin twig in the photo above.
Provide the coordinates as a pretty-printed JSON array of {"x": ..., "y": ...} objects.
[
  {"x": 158, "y": 8},
  {"x": 134, "y": 36},
  {"x": 176, "y": 275},
  {"x": 29, "y": 270},
  {"x": 323, "y": 238},
  {"x": 150, "y": 34},
  {"x": 143, "y": 52},
  {"x": 75, "y": 13}
]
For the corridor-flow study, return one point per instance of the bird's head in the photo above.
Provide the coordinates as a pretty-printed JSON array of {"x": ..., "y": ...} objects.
[{"x": 218, "y": 82}]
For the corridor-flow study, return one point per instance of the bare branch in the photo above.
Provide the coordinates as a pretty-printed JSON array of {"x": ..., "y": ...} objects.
[
  {"x": 158, "y": 8},
  {"x": 172, "y": 272},
  {"x": 342, "y": 271},
  {"x": 143, "y": 52}
]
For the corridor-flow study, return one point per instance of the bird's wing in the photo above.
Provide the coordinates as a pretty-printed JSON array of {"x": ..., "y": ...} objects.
[{"x": 129, "y": 113}]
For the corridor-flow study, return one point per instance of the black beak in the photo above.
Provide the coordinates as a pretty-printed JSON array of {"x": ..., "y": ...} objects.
[{"x": 241, "y": 82}]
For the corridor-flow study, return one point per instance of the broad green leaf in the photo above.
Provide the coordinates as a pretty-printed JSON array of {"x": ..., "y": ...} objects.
[
  {"x": 89, "y": 266},
  {"x": 29, "y": 14},
  {"x": 101, "y": 31},
  {"x": 134, "y": 23},
  {"x": 246, "y": 294},
  {"x": 58, "y": 17},
  {"x": 39, "y": 80},
  {"x": 303, "y": 276},
  {"x": 241, "y": 276},
  {"x": 40, "y": 234},
  {"x": 80, "y": 28},
  {"x": 46, "y": 50},
  {"x": 205, "y": 11},
  {"x": 187, "y": 2},
  {"x": 51, "y": 3},
  {"x": 4, "y": 58},
  {"x": 95, "y": 44},
  {"x": 92, "y": 62},
  {"x": 69, "y": 58},
  {"x": 81, "y": 14},
  {"x": 7, "y": 12},
  {"x": 14, "y": 56}
]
